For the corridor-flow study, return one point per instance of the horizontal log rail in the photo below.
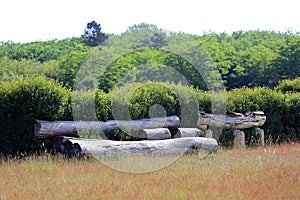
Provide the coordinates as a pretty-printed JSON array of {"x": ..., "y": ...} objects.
[
  {"x": 234, "y": 120},
  {"x": 152, "y": 128},
  {"x": 80, "y": 146},
  {"x": 45, "y": 129}
]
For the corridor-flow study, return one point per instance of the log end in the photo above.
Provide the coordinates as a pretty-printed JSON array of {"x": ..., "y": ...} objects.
[{"x": 37, "y": 128}]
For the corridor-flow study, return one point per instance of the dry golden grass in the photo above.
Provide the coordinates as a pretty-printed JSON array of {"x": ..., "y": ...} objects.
[{"x": 261, "y": 173}]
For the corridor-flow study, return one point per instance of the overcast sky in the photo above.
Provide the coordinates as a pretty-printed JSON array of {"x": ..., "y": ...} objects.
[{"x": 32, "y": 20}]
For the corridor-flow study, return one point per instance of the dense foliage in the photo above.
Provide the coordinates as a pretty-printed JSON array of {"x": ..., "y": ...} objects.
[
  {"x": 289, "y": 85},
  {"x": 21, "y": 103},
  {"x": 252, "y": 58}
]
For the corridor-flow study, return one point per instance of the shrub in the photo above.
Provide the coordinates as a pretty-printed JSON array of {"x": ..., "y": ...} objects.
[
  {"x": 289, "y": 85},
  {"x": 23, "y": 101},
  {"x": 135, "y": 101}
]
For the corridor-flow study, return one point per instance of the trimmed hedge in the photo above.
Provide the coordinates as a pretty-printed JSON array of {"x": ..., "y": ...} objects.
[{"x": 23, "y": 101}]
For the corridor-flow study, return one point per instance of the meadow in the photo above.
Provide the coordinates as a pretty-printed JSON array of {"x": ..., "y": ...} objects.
[{"x": 271, "y": 172}]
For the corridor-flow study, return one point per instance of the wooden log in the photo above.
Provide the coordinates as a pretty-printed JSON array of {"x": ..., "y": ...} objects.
[
  {"x": 154, "y": 134},
  {"x": 208, "y": 133},
  {"x": 239, "y": 138},
  {"x": 78, "y": 146},
  {"x": 233, "y": 121},
  {"x": 261, "y": 133},
  {"x": 187, "y": 132},
  {"x": 45, "y": 129},
  {"x": 202, "y": 127}
]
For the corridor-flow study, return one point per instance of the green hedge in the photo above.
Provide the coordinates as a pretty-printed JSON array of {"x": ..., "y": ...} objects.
[
  {"x": 137, "y": 100},
  {"x": 23, "y": 101},
  {"x": 289, "y": 85}
]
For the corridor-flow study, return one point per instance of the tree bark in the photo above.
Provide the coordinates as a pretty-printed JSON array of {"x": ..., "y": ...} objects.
[
  {"x": 78, "y": 146},
  {"x": 45, "y": 129},
  {"x": 154, "y": 134},
  {"x": 187, "y": 132}
]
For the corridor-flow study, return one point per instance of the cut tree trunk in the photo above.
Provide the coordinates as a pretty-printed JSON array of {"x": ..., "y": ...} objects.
[
  {"x": 45, "y": 129},
  {"x": 78, "y": 146},
  {"x": 187, "y": 132},
  {"x": 154, "y": 134},
  {"x": 233, "y": 121}
]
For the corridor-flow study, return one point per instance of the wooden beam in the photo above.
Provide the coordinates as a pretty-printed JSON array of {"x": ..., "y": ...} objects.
[
  {"x": 234, "y": 120},
  {"x": 45, "y": 129}
]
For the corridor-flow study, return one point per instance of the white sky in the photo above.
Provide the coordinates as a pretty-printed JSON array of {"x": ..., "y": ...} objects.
[{"x": 32, "y": 20}]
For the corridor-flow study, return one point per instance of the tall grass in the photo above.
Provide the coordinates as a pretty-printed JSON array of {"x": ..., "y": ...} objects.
[{"x": 261, "y": 173}]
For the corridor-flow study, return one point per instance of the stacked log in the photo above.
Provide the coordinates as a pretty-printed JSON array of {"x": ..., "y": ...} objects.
[
  {"x": 78, "y": 146},
  {"x": 154, "y": 134},
  {"x": 187, "y": 132},
  {"x": 158, "y": 135},
  {"x": 44, "y": 129}
]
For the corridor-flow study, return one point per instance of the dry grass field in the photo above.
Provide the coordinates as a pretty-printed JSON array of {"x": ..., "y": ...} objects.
[{"x": 259, "y": 173}]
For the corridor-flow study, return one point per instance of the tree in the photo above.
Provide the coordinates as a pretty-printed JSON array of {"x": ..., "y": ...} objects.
[
  {"x": 92, "y": 34},
  {"x": 288, "y": 63},
  {"x": 142, "y": 26},
  {"x": 156, "y": 41}
]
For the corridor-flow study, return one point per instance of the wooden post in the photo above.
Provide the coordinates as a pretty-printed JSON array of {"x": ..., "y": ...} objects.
[
  {"x": 239, "y": 138},
  {"x": 261, "y": 133},
  {"x": 208, "y": 133}
]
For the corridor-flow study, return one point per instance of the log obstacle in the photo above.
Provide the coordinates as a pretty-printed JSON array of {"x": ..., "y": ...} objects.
[
  {"x": 237, "y": 121},
  {"x": 233, "y": 121},
  {"x": 187, "y": 132},
  {"x": 154, "y": 134},
  {"x": 80, "y": 146},
  {"x": 44, "y": 129},
  {"x": 158, "y": 135}
]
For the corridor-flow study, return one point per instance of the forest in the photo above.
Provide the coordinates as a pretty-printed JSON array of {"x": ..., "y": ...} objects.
[
  {"x": 243, "y": 58},
  {"x": 258, "y": 70}
]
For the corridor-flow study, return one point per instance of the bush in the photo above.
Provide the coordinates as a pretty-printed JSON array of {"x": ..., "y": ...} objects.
[
  {"x": 137, "y": 101},
  {"x": 23, "y": 101},
  {"x": 289, "y": 85}
]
